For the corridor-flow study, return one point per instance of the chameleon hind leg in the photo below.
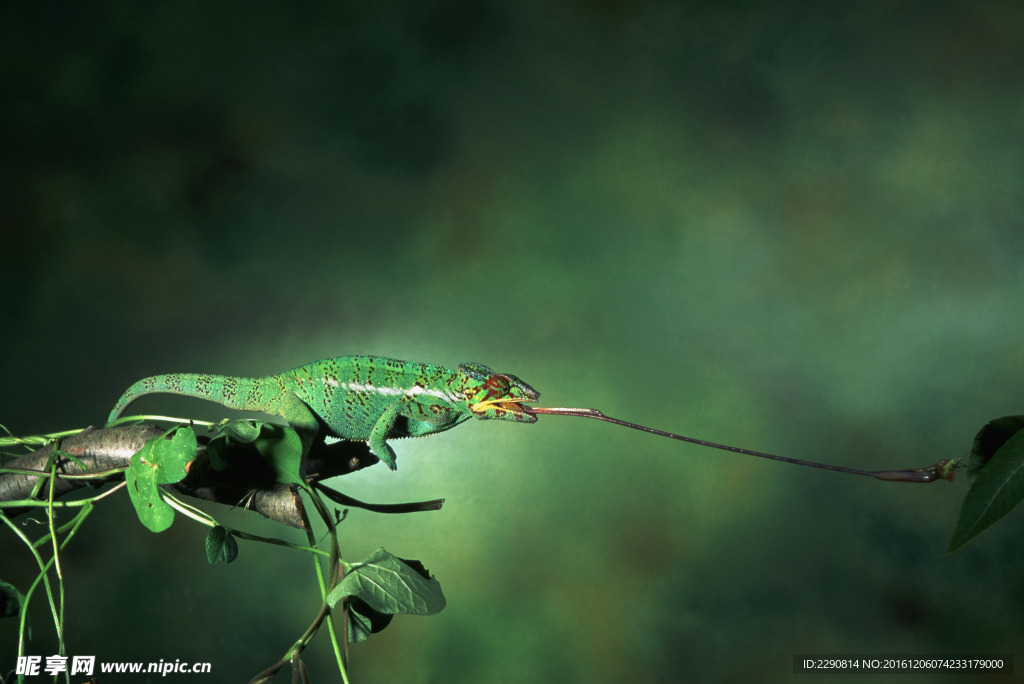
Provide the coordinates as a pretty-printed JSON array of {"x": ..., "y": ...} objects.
[{"x": 300, "y": 417}]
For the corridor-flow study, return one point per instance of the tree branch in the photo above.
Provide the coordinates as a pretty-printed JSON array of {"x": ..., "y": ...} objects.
[{"x": 248, "y": 481}]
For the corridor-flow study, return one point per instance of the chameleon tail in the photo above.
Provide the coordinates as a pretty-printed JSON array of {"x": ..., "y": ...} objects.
[{"x": 232, "y": 392}]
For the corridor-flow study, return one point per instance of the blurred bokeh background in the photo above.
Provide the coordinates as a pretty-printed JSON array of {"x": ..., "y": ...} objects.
[{"x": 789, "y": 226}]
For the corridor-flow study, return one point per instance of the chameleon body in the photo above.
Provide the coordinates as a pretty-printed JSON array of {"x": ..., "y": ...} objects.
[{"x": 360, "y": 398}]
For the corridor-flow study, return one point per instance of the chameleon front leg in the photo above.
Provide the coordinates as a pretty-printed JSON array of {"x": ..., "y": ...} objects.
[
  {"x": 378, "y": 446},
  {"x": 426, "y": 416}
]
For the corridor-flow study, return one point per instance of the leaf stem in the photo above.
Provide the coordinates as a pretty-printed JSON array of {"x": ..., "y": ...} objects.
[{"x": 56, "y": 558}]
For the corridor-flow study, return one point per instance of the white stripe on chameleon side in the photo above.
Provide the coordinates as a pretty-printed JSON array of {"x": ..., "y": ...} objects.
[{"x": 444, "y": 394}]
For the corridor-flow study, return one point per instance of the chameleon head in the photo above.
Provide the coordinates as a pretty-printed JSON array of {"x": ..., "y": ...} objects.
[{"x": 496, "y": 395}]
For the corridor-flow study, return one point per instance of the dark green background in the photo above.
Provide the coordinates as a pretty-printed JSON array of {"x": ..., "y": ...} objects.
[{"x": 789, "y": 226}]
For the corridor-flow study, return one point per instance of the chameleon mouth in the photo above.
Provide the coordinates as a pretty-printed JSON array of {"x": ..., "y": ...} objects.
[{"x": 503, "y": 404}]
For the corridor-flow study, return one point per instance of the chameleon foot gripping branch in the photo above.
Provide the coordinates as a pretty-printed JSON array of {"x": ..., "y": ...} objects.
[{"x": 941, "y": 470}]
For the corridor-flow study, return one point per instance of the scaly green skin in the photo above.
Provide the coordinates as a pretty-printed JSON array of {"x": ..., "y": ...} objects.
[{"x": 361, "y": 398}]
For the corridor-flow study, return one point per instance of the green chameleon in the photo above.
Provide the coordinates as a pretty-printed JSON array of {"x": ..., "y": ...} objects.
[{"x": 360, "y": 398}]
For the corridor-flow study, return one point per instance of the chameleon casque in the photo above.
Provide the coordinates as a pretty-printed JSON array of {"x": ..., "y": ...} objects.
[{"x": 359, "y": 398}]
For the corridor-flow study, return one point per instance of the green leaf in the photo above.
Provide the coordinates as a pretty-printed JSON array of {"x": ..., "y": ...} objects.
[
  {"x": 11, "y": 600},
  {"x": 171, "y": 455},
  {"x": 995, "y": 491},
  {"x": 282, "y": 449},
  {"x": 221, "y": 546},
  {"x": 364, "y": 620},
  {"x": 225, "y": 436},
  {"x": 390, "y": 585},
  {"x": 990, "y": 439},
  {"x": 144, "y": 492},
  {"x": 244, "y": 431},
  {"x": 161, "y": 461},
  {"x": 216, "y": 454}
]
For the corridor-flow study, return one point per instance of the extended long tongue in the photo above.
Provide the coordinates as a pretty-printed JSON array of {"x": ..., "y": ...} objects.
[{"x": 941, "y": 470}]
